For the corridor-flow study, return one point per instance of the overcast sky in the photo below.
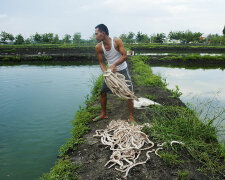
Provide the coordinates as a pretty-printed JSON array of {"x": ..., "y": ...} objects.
[{"x": 120, "y": 16}]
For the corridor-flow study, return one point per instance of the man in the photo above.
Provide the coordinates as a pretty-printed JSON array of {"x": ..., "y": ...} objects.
[{"x": 116, "y": 56}]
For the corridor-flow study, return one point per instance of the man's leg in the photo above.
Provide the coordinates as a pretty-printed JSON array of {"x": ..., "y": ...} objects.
[
  {"x": 103, "y": 104},
  {"x": 130, "y": 103},
  {"x": 103, "y": 94}
]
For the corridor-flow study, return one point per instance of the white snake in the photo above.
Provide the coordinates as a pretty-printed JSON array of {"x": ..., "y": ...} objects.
[
  {"x": 117, "y": 84},
  {"x": 127, "y": 141}
]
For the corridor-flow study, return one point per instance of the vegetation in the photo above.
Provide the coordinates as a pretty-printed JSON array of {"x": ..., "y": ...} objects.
[
  {"x": 183, "y": 37},
  {"x": 181, "y": 124},
  {"x": 143, "y": 74},
  {"x": 194, "y": 58},
  {"x": 64, "y": 169}
]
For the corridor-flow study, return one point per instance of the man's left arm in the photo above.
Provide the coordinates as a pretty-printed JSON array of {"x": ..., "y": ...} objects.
[{"x": 123, "y": 57}]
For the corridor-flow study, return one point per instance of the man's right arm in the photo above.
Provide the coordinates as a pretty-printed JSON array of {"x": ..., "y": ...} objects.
[{"x": 100, "y": 58}]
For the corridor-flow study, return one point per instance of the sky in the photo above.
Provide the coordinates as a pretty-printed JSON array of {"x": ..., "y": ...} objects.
[{"x": 120, "y": 16}]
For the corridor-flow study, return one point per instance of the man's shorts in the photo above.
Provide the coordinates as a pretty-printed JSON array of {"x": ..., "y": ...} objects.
[{"x": 125, "y": 72}]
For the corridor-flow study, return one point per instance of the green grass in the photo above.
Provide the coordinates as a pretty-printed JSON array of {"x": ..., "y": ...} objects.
[
  {"x": 155, "y": 46},
  {"x": 183, "y": 174},
  {"x": 180, "y": 124},
  {"x": 64, "y": 169},
  {"x": 143, "y": 74},
  {"x": 194, "y": 58}
]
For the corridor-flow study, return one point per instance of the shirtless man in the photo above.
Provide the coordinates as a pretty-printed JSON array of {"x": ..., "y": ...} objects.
[{"x": 116, "y": 56}]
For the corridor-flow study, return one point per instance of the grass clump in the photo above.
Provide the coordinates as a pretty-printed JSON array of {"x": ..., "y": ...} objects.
[
  {"x": 182, "y": 124},
  {"x": 64, "y": 169},
  {"x": 143, "y": 74}
]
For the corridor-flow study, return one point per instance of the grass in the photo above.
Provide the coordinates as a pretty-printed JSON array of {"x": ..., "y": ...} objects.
[
  {"x": 183, "y": 174},
  {"x": 194, "y": 58},
  {"x": 143, "y": 74},
  {"x": 152, "y": 46},
  {"x": 64, "y": 169},
  {"x": 181, "y": 124}
]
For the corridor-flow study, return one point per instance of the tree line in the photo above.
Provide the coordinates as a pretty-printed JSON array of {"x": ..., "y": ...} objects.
[{"x": 183, "y": 37}]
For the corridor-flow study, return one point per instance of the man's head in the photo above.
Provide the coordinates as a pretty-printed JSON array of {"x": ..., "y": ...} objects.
[{"x": 101, "y": 31}]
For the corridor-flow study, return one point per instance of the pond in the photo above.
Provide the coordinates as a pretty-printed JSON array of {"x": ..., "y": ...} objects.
[
  {"x": 37, "y": 106},
  {"x": 204, "y": 89}
]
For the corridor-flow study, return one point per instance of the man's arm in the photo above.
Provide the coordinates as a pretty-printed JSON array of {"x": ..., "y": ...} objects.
[
  {"x": 122, "y": 51},
  {"x": 100, "y": 58}
]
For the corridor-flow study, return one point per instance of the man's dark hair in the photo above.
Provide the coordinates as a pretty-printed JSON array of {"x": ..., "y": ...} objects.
[{"x": 103, "y": 27}]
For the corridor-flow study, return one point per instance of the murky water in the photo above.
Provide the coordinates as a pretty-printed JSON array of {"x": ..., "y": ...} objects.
[{"x": 37, "y": 104}]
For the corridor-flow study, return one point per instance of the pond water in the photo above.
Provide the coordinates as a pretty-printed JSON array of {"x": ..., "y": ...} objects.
[
  {"x": 203, "y": 88},
  {"x": 37, "y": 106}
]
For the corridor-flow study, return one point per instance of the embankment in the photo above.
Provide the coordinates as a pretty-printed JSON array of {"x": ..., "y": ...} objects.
[{"x": 83, "y": 156}]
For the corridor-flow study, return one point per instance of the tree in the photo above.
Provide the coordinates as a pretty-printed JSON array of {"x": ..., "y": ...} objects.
[
  {"x": 28, "y": 41},
  {"x": 47, "y": 37},
  {"x": 92, "y": 39},
  {"x": 77, "y": 37},
  {"x": 123, "y": 37},
  {"x": 185, "y": 37},
  {"x": 143, "y": 38},
  {"x": 55, "y": 39},
  {"x": 130, "y": 37},
  {"x": 37, "y": 38},
  {"x": 224, "y": 30},
  {"x": 66, "y": 38},
  {"x": 158, "y": 38},
  {"x": 19, "y": 39},
  {"x": 4, "y": 37}
]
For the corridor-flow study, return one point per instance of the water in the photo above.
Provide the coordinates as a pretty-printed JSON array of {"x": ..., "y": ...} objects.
[
  {"x": 199, "y": 86},
  {"x": 37, "y": 105}
]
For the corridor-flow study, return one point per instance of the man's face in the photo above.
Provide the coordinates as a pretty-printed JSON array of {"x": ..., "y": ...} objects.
[{"x": 99, "y": 35}]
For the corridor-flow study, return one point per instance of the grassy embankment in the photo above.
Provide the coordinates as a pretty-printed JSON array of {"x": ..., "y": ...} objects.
[
  {"x": 193, "y": 58},
  {"x": 169, "y": 123},
  {"x": 148, "y": 47},
  {"x": 181, "y": 124}
]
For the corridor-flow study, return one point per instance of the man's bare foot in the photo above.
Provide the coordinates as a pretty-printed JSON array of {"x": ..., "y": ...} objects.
[
  {"x": 131, "y": 120},
  {"x": 102, "y": 116}
]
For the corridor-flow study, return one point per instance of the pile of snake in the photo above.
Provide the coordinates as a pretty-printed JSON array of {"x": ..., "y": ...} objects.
[
  {"x": 127, "y": 141},
  {"x": 117, "y": 84}
]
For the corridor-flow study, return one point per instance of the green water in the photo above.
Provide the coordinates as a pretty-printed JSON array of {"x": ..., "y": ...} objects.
[
  {"x": 37, "y": 104},
  {"x": 203, "y": 88}
]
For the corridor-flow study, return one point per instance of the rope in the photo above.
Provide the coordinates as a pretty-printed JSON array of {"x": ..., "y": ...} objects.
[
  {"x": 127, "y": 141},
  {"x": 117, "y": 84}
]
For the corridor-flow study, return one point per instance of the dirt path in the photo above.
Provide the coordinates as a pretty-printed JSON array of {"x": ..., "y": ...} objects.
[{"x": 93, "y": 155}]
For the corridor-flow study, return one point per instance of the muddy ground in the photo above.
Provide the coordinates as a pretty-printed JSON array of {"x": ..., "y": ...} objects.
[{"x": 93, "y": 155}]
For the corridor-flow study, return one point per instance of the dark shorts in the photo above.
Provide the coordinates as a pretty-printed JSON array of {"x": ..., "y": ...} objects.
[{"x": 126, "y": 73}]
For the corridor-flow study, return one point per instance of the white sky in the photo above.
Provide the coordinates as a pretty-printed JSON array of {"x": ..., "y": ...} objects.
[{"x": 120, "y": 16}]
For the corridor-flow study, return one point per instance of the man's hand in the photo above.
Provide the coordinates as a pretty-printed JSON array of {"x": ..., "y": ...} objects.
[{"x": 113, "y": 67}]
